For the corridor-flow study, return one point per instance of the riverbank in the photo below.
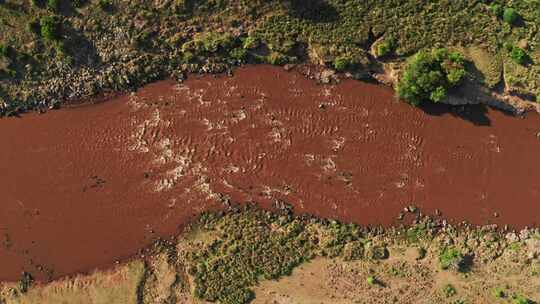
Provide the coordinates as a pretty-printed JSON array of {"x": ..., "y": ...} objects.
[
  {"x": 104, "y": 46},
  {"x": 250, "y": 255}
]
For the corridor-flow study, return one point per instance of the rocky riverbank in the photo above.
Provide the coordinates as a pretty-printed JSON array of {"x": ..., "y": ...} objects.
[{"x": 249, "y": 255}]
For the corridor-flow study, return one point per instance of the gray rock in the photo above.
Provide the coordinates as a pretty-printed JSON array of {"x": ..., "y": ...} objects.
[
  {"x": 533, "y": 247},
  {"x": 327, "y": 76},
  {"x": 524, "y": 234},
  {"x": 512, "y": 237}
]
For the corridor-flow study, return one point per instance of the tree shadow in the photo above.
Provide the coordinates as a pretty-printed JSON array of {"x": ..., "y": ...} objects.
[
  {"x": 318, "y": 11},
  {"x": 17, "y": 7},
  {"x": 475, "y": 114},
  {"x": 81, "y": 50}
]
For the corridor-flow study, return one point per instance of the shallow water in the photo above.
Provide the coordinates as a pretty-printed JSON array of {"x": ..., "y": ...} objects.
[{"x": 85, "y": 186}]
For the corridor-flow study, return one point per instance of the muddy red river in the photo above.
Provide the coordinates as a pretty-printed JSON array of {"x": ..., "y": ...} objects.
[{"x": 83, "y": 187}]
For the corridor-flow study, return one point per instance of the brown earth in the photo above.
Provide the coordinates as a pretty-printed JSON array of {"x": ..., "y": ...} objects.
[{"x": 85, "y": 186}]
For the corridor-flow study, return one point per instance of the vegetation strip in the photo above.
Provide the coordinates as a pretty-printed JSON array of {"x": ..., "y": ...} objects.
[{"x": 57, "y": 50}]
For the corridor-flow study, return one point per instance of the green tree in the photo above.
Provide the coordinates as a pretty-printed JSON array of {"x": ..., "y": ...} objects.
[
  {"x": 510, "y": 16},
  {"x": 429, "y": 75}
]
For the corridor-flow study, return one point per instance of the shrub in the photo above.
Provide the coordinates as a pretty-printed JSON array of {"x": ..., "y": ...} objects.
[
  {"x": 450, "y": 258},
  {"x": 188, "y": 57},
  {"x": 250, "y": 43},
  {"x": 353, "y": 251},
  {"x": 520, "y": 299},
  {"x": 239, "y": 54},
  {"x": 498, "y": 293},
  {"x": 510, "y": 15},
  {"x": 342, "y": 63},
  {"x": 518, "y": 55},
  {"x": 60, "y": 48},
  {"x": 371, "y": 280},
  {"x": 277, "y": 58},
  {"x": 386, "y": 47},
  {"x": 210, "y": 42},
  {"x": 105, "y": 5},
  {"x": 429, "y": 75},
  {"x": 51, "y": 27},
  {"x": 449, "y": 290},
  {"x": 38, "y": 3},
  {"x": 497, "y": 9},
  {"x": 53, "y": 5}
]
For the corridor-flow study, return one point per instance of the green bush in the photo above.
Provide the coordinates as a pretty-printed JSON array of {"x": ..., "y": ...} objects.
[
  {"x": 51, "y": 28},
  {"x": 34, "y": 26},
  {"x": 343, "y": 63},
  {"x": 386, "y": 47},
  {"x": 4, "y": 50},
  {"x": 188, "y": 57},
  {"x": 518, "y": 55},
  {"x": 510, "y": 15},
  {"x": 210, "y": 42},
  {"x": 520, "y": 299},
  {"x": 253, "y": 245},
  {"x": 239, "y": 54},
  {"x": 250, "y": 43},
  {"x": 498, "y": 293},
  {"x": 429, "y": 75},
  {"x": 450, "y": 257},
  {"x": 277, "y": 58},
  {"x": 449, "y": 290}
]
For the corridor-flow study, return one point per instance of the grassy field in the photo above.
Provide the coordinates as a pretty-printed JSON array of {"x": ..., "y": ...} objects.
[
  {"x": 261, "y": 257},
  {"x": 54, "y": 52}
]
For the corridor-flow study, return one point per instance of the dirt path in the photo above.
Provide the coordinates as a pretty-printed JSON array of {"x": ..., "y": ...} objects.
[{"x": 83, "y": 187}]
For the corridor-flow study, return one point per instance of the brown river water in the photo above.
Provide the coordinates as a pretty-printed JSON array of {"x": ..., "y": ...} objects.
[{"x": 85, "y": 186}]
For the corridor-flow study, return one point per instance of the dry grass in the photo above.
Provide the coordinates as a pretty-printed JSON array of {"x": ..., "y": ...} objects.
[{"x": 115, "y": 286}]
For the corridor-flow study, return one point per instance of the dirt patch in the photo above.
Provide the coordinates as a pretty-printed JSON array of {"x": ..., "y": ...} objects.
[{"x": 84, "y": 187}]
